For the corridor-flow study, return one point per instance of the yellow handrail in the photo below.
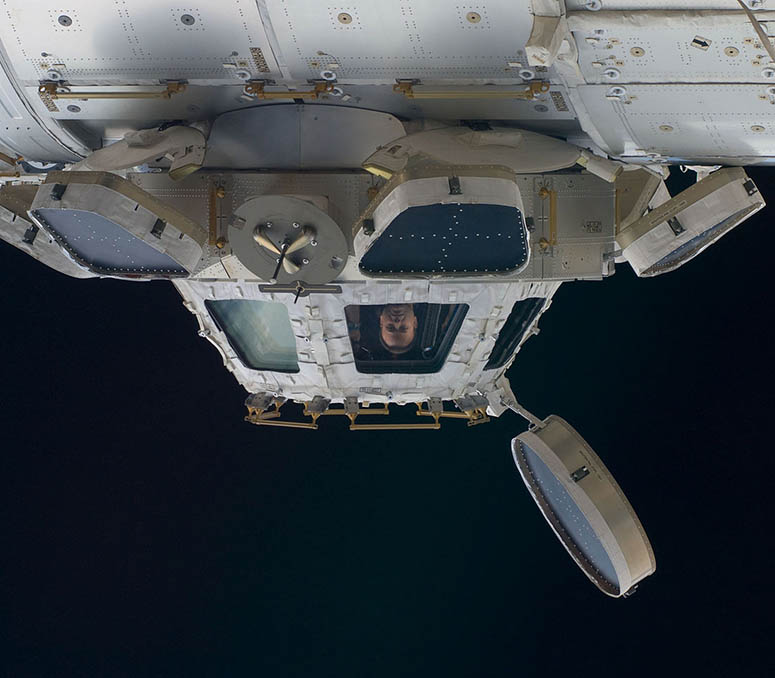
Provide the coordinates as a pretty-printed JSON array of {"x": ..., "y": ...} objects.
[{"x": 56, "y": 90}]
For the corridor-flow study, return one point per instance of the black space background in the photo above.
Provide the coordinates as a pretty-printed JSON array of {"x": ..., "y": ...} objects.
[{"x": 148, "y": 531}]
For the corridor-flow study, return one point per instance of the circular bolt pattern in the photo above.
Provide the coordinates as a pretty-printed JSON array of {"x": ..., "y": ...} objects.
[
  {"x": 665, "y": 128},
  {"x": 731, "y": 51},
  {"x": 473, "y": 17},
  {"x": 73, "y": 108},
  {"x": 187, "y": 20},
  {"x": 344, "y": 18},
  {"x": 65, "y": 20},
  {"x": 757, "y": 128},
  {"x": 637, "y": 51}
]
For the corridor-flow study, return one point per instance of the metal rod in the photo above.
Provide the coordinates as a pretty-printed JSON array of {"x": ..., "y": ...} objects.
[
  {"x": 283, "y": 250},
  {"x": 395, "y": 427},
  {"x": 282, "y": 424},
  {"x": 8, "y": 159}
]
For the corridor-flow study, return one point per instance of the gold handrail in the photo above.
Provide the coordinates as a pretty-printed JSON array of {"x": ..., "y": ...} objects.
[
  {"x": 269, "y": 417},
  {"x": 56, "y": 90},
  {"x": 407, "y": 88},
  {"x": 545, "y": 193},
  {"x": 9, "y": 160},
  {"x": 395, "y": 427}
]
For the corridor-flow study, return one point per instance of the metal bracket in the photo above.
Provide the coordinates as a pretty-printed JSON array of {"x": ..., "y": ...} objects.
[
  {"x": 57, "y": 191},
  {"x": 579, "y": 473},
  {"x": 255, "y": 88},
  {"x": 454, "y": 186},
  {"x": 29, "y": 234},
  {"x": 158, "y": 228},
  {"x": 675, "y": 226}
]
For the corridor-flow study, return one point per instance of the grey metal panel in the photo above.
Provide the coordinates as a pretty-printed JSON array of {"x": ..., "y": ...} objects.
[
  {"x": 401, "y": 39},
  {"x": 131, "y": 40},
  {"x": 33, "y": 136},
  {"x": 584, "y": 235},
  {"x": 712, "y": 123},
  {"x": 344, "y": 195},
  {"x": 585, "y": 225},
  {"x": 661, "y": 50},
  {"x": 290, "y": 136}
]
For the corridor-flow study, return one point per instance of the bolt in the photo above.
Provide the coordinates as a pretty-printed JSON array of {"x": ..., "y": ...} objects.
[
  {"x": 296, "y": 224},
  {"x": 269, "y": 224},
  {"x": 304, "y": 261},
  {"x": 314, "y": 243}
]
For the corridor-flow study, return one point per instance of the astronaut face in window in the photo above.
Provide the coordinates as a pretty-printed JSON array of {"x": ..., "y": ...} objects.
[{"x": 397, "y": 327}]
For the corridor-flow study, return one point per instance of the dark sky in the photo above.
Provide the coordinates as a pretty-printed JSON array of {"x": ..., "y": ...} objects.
[{"x": 148, "y": 531}]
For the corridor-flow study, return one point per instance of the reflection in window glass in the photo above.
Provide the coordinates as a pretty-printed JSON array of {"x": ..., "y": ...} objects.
[
  {"x": 259, "y": 332},
  {"x": 408, "y": 338},
  {"x": 521, "y": 317}
]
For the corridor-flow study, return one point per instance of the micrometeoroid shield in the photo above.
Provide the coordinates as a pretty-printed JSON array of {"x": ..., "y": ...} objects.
[{"x": 584, "y": 506}]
